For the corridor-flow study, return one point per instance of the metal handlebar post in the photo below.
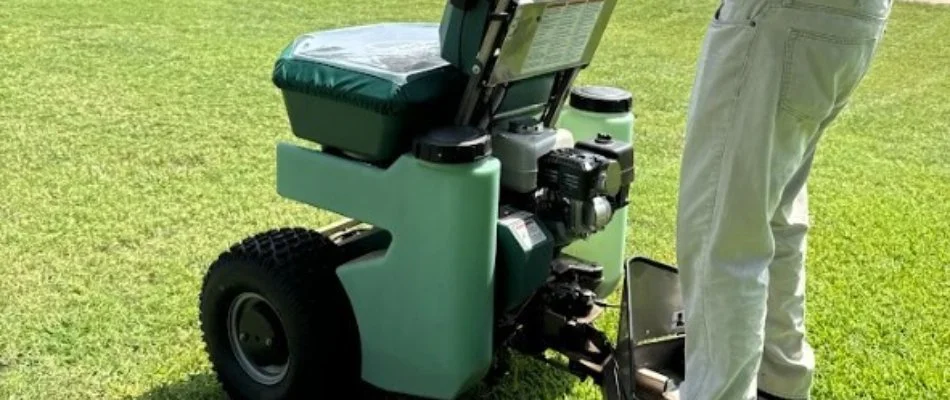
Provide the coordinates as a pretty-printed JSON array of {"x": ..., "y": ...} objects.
[{"x": 483, "y": 66}]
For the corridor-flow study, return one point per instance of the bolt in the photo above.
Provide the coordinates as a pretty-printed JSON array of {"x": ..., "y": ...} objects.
[
  {"x": 243, "y": 337},
  {"x": 268, "y": 342},
  {"x": 476, "y": 69}
]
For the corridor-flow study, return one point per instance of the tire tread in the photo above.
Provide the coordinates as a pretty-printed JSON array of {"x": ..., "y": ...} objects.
[{"x": 294, "y": 265}]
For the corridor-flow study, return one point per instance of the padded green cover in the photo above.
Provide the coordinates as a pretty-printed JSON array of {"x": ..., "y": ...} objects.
[
  {"x": 462, "y": 32},
  {"x": 385, "y": 68}
]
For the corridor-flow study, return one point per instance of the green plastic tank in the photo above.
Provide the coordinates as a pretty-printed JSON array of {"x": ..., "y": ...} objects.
[
  {"x": 425, "y": 304},
  {"x": 592, "y": 110}
]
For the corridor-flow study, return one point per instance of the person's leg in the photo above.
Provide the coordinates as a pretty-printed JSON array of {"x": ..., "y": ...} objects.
[
  {"x": 788, "y": 361},
  {"x": 733, "y": 154},
  {"x": 762, "y": 92}
]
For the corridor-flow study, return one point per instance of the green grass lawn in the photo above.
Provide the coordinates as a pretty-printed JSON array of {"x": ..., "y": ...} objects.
[{"x": 138, "y": 142}]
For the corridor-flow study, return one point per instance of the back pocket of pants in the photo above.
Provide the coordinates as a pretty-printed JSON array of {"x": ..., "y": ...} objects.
[{"x": 821, "y": 71}]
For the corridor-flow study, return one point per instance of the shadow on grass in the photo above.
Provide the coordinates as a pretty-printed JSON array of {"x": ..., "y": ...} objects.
[
  {"x": 532, "y": 379},
  {"x": 528, "y": 379},
  {"x": 197, "y": 387}
]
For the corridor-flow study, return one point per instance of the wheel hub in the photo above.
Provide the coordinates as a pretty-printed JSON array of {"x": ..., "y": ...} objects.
[{"x": 257, "y": 339}]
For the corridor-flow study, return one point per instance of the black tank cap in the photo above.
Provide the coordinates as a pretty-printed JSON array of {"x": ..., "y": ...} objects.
[
  {"x": 601, "y": 99},
  {"x": 453, "y": 145}
]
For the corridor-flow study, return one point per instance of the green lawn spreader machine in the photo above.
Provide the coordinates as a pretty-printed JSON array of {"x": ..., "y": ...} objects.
[{"x": 484, "y": 202}]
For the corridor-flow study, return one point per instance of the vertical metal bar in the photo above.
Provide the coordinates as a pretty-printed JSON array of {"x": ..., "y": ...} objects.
[
  {"x": 498, "y": 96},
  {"x": 557, "y": 104},
  {"x": 626, "y": 341},
  {"x": 472, "y": 91}
]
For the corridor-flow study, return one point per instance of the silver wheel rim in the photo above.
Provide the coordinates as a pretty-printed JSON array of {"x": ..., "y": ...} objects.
[{"x": 263, "y": 374}]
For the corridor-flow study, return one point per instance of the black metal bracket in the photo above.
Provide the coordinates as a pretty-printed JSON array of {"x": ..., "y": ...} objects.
[
  {"x": 619, "y": 379},
  {"x": 568, "y": 329},
  {"x": 646, "y": 359}
]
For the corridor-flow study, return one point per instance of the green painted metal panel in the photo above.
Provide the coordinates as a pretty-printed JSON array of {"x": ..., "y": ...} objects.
[
  {"x": 425, "y": 305},
  {"x": 525, "y": 251}
]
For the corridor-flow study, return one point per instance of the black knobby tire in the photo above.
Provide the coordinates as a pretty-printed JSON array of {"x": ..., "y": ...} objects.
[{"x": 292, "y": 269}]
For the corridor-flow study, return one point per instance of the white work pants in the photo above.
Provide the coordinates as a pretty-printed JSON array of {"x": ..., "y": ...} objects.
[{"x": 772, "y": 76}]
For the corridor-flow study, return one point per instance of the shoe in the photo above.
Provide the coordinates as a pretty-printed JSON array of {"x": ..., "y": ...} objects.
[
  {"x": 762, "y": 395},
  {"x": 767, "y": 396},
  {"x": 675, "y": 395}
]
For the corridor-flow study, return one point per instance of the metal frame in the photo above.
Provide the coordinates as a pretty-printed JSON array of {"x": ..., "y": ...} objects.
[
  {"x": 470, "y": 100},
  {"x": 646, "y": 363}
]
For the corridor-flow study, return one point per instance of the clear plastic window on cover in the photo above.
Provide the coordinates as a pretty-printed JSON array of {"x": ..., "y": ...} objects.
[{"x": 394, "y": 51}]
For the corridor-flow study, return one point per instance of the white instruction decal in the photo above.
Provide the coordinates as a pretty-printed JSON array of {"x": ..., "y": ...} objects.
[
  {"x": 526, "y": 230},
  {"x": 563, "y": 35}
]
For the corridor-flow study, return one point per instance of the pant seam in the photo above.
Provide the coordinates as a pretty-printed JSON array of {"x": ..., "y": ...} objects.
[{"x": 787, "y": 65}]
